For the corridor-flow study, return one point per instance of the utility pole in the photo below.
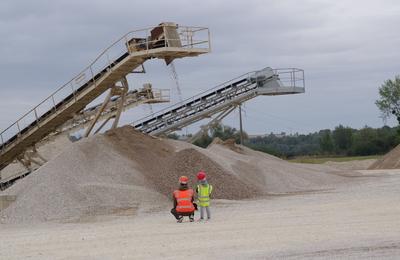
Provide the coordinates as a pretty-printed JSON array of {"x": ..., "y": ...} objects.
[{"x": 241, "y": 124}]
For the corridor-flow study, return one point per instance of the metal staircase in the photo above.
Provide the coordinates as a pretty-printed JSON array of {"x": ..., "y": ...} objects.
[
  {"x": 166, "y": 41},
  {"x": 222, "y": 99}
]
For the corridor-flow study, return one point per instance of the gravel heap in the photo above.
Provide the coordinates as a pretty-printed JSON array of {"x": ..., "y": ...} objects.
[
  {"x": 272, "y": 174},
  {"x": 171, "y": 164},
  {"x": 87, "y": 179},
  {"x": 124, "y": 170},
  {"x": 106, "y": 174}
]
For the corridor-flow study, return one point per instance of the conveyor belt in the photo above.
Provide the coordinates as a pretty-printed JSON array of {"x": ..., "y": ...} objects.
[{"x": 221, "y": 98}]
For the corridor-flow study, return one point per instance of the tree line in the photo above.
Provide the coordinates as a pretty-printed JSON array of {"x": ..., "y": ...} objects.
[{"x": 341, "y": 141}]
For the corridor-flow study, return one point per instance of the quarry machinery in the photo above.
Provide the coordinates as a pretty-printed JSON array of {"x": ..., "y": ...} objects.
[
  {"x": 222, "y": 100},
  {"x": 167, "y": 41}
]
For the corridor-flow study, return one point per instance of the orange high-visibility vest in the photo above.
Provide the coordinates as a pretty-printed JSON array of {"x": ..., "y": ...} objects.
[{"x": 184, "y": 200}]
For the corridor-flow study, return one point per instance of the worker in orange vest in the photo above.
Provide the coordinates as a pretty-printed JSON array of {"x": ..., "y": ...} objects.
[{"x": 183, "y": 201}]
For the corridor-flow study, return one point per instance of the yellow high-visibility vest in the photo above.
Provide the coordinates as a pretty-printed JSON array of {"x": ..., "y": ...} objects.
[{"x": 203, "y": 195}]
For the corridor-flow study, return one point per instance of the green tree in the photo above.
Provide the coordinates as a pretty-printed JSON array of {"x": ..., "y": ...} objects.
[
  {"x": 326, "y": 142},
  {"x": 366, "y": 142},
  {"x": 221, "y": 131},
  {"x": 389, "y": 101},
  {"x": 203, "y": 141},
  {"x": 342, "y": 137}
]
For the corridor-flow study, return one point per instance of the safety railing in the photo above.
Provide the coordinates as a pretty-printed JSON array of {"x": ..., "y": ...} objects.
[
  {"x": 161, "y": 94},
  {"x": 291, "y": 77},
  {"x": 189, "y": 37}
]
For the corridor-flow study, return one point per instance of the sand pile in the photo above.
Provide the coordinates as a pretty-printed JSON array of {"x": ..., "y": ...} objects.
[
  {"x": 125, "y": 170},
  {"x": 391, "y": 160}
]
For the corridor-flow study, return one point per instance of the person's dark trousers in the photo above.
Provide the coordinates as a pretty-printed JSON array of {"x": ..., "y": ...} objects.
[{"x": 181, "y": 214}]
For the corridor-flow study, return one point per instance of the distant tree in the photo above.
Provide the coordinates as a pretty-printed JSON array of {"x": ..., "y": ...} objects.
[
  {"x": 326, "y": 142},
  {"x": 221, "y": 131},
  {"x": 203, "y": 141},
  {"x": 389, "y": 101},
  {"x": 225, "y": 132},
  {"x": 266, "y": 149},
  {"x": 342, "y": 137},
  {"x": 388, "y": 137},
  {"x": 365, "y": 142}
]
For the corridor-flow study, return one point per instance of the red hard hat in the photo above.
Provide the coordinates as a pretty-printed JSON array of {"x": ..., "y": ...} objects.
[
  {"x": 201, "y": 175},
  {"x": 183, "y": 179}
]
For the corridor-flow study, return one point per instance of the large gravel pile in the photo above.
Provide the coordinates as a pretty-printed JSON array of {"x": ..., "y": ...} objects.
[
  {"x": 87, "y": 179},
  {"x": 163, "y": 164},
  {"x": 125, "y": 170}
]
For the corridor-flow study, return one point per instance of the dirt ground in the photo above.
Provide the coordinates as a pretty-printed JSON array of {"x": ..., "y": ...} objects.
[{"x": 354, "y": 221}]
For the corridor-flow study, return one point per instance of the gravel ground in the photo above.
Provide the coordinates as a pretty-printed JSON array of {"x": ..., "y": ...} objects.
[
  {"x": 356, "y": 221},
  {"x": 352, "y": 165}
]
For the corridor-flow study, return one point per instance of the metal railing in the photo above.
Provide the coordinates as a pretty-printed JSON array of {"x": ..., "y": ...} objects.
[
  {"x": 291, "y": 77},
  {"x": 161, "y": 94},
  {"x": 190, "y": 37}
]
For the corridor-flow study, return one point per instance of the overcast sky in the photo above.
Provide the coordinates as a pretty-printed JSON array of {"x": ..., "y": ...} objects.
[{"x": 347, "y": 49}]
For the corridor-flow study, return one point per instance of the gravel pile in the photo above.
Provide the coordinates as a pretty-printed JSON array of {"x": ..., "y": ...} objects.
[
  {"x": 163, "y": 165},
  {"x": 125, "y": 170},
  {"x": 87, "y": 179},
  {"x": 190, "y": 161},
  {"x": 271, "y": 174},
  {"x": 391, "y": 160}
]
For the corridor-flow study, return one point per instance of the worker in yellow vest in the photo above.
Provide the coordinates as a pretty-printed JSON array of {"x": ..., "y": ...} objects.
[{"x": 203, "y": 191}]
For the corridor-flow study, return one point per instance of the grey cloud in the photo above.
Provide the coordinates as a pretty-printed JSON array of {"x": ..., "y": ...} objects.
[{"x": 346, "y": 48}]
